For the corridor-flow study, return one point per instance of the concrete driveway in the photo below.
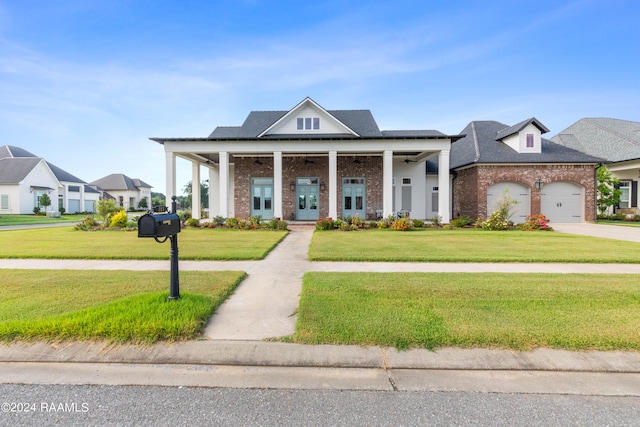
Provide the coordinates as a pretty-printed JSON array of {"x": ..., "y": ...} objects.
[{"x": 618, "y": 232}]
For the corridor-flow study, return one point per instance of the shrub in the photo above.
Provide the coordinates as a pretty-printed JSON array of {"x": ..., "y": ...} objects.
[
  {"x": 219, "y": 220},
  {"x": 62, "y": 210},
  {"x": 418, "y": 223},
  {"x": 255, "y": 222},
  {"x": 497, "y": 221},
  {"x": 277, "y": 224},
  {"x": 324, "y": 224},
  {"x": 436, "y": 220},
  {"x": 386, "y": 222},
  {"x": 357, "y": 221},
  {"x": 86, "y": 224},
  {"x": 119, "y": 219},
  {"x": 105, "y": 209},
  {"x": 402, "y": 224},
  {"x": 462, "y": 221},
  {"x": 36, "y": 211},
  {"x": 193, "y": 222},
  {"x": 536, "y": 222}
]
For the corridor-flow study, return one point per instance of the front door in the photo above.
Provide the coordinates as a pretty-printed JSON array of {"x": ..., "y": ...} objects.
[
  {"x": 262, "y": 197},
  {"x": 353, "y": 197},
  {"x": 308, "y": 196}
]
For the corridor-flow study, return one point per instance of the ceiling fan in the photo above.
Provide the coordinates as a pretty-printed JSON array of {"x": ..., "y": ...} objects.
[{"x": 407, "y": 160}]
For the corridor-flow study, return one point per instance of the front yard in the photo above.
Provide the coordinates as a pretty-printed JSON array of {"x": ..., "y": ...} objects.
[
  {"x": 469, "y": 245},
  {"x": 116, "y": 306},
  {"x": 516, "y": 311},
  {"x": 193, "y": 244}
]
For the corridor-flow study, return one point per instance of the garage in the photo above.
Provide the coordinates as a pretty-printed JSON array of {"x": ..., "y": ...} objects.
[
  {"x": 518, "y": 192},
  {"x": 562, "y": 202}
]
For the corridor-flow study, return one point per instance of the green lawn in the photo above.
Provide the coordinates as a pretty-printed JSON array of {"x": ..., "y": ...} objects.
[
  {"x": 515, "y": 311},
  {"x": 193, "y": 244},
  {"x": 621, "y": 223},
  {"x": 37, "y": 219},
  {"x": 469, "y": 245},
  {"x": 117, "y": 306}
]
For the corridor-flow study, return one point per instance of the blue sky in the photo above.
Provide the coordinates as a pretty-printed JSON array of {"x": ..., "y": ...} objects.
[{"x": 85, "y": 83}]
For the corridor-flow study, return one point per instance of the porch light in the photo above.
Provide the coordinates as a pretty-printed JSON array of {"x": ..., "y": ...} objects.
[
  {"x": 322, "y": 186},
  {"x": 292, "y": 186},
  {"x": 539, "y": 184}
]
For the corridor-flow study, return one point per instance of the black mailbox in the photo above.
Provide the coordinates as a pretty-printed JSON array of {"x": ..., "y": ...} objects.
[{"x": 159, "y": 225}]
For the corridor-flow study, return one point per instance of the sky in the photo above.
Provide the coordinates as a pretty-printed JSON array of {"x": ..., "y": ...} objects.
[{"x": 85, "y": 83}]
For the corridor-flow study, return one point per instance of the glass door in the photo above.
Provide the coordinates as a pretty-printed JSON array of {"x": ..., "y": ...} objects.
[
  {"x": 308, "y": 197},
  {"x": 262, "y": 197},
  {"x": 353, "y": 197}
]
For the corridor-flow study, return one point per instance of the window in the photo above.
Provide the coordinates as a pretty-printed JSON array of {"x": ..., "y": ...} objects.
[
  {"x": 434, "y": 199},
  {"x": 74, "y": 188},
  {"x": 4, "y": 202},
  {"x": 406, "y": 181},
  {"x": 308, "y": 123},
  {"x": 529, "y": 140},
  {"x": 625, "y": 191}
]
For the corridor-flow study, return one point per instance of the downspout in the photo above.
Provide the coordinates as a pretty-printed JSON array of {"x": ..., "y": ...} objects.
[{"x": 595, "y": 191}]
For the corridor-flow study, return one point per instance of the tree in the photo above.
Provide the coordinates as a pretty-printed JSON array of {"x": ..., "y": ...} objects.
[
  {"x": 204, "y": 195},
  {"x": 608, "y": 191},
  {"x": 45, "y": 201},
  {"x": 105, "y": 209},
  {"x": 142, "y": 204},
  {"x": 158, "y": 199}
]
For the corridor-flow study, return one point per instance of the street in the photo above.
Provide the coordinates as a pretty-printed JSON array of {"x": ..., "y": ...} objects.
[{"x": 81, "y": 405}]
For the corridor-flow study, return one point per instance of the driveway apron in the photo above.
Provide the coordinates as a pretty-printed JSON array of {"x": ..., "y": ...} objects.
[{"x": 264, "y": 305}]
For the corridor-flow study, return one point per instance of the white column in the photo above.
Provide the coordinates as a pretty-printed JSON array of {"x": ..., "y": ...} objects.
[
  {"x": 444, "y": 210},
  {"x": 195, "y": 190},
  {"x": 224, "y": 184},
  {"x": 387, "y": 183},
  {"x": 170, "y": 170},
  {"x": 277, "y": 184},
  {"x": 333, "y": 184},
  {"x": 214, "y": 190}
]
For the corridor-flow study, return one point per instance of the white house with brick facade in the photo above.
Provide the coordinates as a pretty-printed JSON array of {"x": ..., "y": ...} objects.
[{"x": 308, "y": 163}]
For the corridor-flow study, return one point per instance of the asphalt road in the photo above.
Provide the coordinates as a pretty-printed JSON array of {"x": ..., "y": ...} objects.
[{"x": 71, "y": 405}]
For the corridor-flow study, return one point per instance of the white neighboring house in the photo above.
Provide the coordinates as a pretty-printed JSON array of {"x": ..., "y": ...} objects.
[
  {"x": 25, "y": 177},
  {"x": 127, "y": 192}
]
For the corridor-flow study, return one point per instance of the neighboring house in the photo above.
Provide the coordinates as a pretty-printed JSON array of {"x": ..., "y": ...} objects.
[
  {"x": 618, "y": 142},
  {"x": 542, "y": 176},
  {"x": 24, "y": 177},
  {"x": 127, "y": 192},
  {"x": 308, "y": 163}
]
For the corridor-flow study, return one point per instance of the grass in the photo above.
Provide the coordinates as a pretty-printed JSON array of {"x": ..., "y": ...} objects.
[
  {"x": 193, "y": 244},
  {"x": 523, "y": 311},
  {"x": 469, "y": 245},
  {"x": 116, "y": 306},
  {"x": 621, "y": 223},
  {"x": 37, "y": 219}
]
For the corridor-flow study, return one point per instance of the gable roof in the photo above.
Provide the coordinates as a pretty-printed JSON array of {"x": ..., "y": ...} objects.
[
  {"x": 612, "y": 139},
  {"x": 482, "y": 145},
  {"x": 518, "y": 127},
  {"x": 119, "y": 182},
  {"x": 10, "y": 152},
  {"x": 14, "y": 170}
]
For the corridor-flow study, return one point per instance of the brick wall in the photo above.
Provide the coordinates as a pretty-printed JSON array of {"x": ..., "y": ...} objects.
[
  {"x": 470, "y": 185},
  {"x": 293, "y": 167}
]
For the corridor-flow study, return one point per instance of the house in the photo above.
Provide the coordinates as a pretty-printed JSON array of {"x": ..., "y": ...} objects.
[
  {"x": 618, "y": 142},
  {"x": 308, "y": 162},
  {"x": 25, "y": 177},
  {"x": 127, "y": 192},
  {"x": 540, "y": 175}
]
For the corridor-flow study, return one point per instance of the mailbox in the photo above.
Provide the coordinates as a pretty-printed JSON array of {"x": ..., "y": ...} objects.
[{"x": 159, "y": 225}]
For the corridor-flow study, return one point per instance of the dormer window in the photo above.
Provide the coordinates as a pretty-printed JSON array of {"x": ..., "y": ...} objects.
[
  {"x": 308, "y": 123},
  {"x": 529, "y": 140}
]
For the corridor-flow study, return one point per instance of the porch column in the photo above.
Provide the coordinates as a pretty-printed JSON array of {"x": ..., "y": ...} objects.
[
  {"x": 277, "y": 184},
  {"x": 195, "y": 190},
  {"x": 444, "y": 210},
  {"x": 333, "y": 184},
  {"x": 387, "y": 183},
  {"x": 170, "y": 171},
  {"x": 224, "y": 184},
  {"x": 214, "y": 190}
]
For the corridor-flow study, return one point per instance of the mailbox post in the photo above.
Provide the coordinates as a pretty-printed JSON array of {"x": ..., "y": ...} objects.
[{"x": 162, "y": 227}]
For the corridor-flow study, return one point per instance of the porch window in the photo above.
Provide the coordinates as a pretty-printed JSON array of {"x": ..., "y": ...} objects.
[{"x": 4, "y": 202}]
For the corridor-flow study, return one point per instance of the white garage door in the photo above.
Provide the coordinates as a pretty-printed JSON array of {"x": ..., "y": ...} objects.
[
  {"x": 562, "y": 202},
  {"x": 517, "y": 192}
]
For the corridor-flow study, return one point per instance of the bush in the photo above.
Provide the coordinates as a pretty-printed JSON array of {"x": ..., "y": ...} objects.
[
  {"x": 402, "y": 224},
  {"x": 462, "y": 221},
  {"x": 86, "y": 224},
  {"x": 536, "y": 222},
  {"x": 386, "y": 222},
  {"x": 36, "y": 211},
  {"x": 119, "y": 219},
  {"x": 418, "y": 223},
  {"x": 324, "y": 224},
  {"x": 193, "y": 222},
  {"x": 232, "y": 222},
  {"x": 497, "y": 221},
  {"x": 219, "y": 220},
  {"x": 277, "y": 224},
  {"x": 357, "y": 221}
]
